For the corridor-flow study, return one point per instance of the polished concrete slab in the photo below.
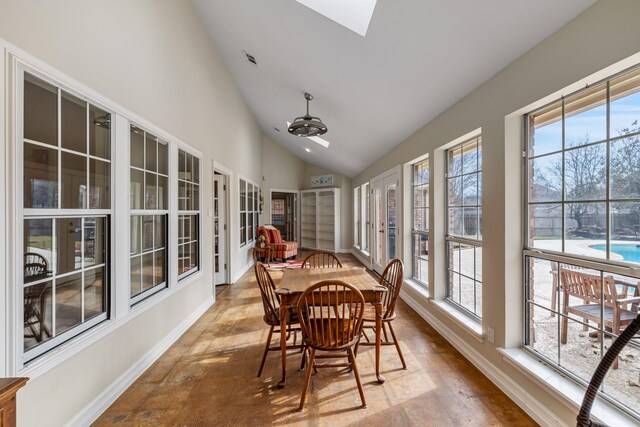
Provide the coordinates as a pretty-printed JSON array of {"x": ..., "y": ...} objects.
[{"x": 208, "y": 378}]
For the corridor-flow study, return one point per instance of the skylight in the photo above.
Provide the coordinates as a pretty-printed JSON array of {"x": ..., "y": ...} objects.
[
  {"x": 353, "y": 14},
  {"x": 317, "y": 139}
]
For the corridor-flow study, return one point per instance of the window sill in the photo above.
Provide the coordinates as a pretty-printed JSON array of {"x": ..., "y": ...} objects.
[
  {"x": 417, "y": 287},
  {"x": 568, "y": 392},
  {"x": 468, "y": 323}
]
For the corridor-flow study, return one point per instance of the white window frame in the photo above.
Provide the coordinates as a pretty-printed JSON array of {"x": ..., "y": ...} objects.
[
  {"x": 357, "y": 217},
  {"x": 250, "y": 233},
  {"x": 531, "y": 253},
  {"x": 120, "y": 310},
  {"x": 415, "y": 232},
  {"x": 453, "y": 240},
  {"x": 192, "y": 212}
]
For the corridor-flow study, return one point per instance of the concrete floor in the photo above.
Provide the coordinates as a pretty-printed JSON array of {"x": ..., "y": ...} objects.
[{"x": 208, "y": 378}]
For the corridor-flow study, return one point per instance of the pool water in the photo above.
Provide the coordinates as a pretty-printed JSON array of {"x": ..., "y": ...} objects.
[{"x": 629, "y": 252}]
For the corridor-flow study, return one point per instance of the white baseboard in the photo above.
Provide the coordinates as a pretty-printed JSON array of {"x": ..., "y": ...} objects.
[
  {"x": 518, "y": 394},
  {"x": 93, "y": 410}
]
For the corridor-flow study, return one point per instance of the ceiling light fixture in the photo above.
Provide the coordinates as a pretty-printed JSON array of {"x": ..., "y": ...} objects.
[
  {"x": 307, "y": 150},
  {"x": 307, "y": 125}
]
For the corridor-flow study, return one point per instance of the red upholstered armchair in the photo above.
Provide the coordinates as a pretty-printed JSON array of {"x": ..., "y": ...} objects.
[{"x": 279, "y": 248}]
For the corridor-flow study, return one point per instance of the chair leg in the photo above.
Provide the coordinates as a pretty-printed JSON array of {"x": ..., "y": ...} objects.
[
  {"x": 384, "y": 332},
  {"x": 395, "y": 341},
  {"x": 266, "y": 350},
  {"x": 352, "y": 359},
  {"x": 307, "y": 379}
]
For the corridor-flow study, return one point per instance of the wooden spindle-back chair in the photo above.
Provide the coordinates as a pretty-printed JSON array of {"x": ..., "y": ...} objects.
[
  {"x": 321, "y": 259},
  {"x": 330, "y": 314},
  {"x": 271, "y": 305},
  {"x": 392, "y": 279}
]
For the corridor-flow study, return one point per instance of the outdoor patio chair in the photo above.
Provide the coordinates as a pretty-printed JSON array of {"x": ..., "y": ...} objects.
[{"x": 619, "y": 310}]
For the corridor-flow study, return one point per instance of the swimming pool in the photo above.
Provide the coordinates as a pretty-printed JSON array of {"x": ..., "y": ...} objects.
[{"x": 629, "y": 252}]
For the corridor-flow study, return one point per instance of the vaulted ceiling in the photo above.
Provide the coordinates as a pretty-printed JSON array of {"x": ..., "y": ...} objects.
[{"x": 418, "y": 58}]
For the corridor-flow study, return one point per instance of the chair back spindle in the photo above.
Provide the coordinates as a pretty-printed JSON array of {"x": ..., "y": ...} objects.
[{"x": 321, "y": 259}]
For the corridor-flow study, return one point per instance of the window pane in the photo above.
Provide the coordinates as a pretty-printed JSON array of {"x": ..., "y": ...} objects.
[
  {"x": 38, "y": 311},
  {"x": 137, "y": 147},
  {"x": 68, "y": 293},
  {"x": 545, "y": 178},
  {"x": 455, "y": 161},
  {"x": 196, "y": 198},
  {"x": 38, "y": 249},
  {"x": 182, "y": 195},
  {"x": 94, "y": 293},
  {"x": 73, "y": 123},
  {"x": 150, "y": 191},
  {"x": 40, "y": 110},
  {"x": 40, "y": 177},
  {"x": 163, "y": 157},
  {"x": 135, "y": 234},
  {"x": 150, "y": 156},
  {"x": 196, "y": 170},
  {"x": 137, "y": 183},
  {"x": 74, "y": 181},
  {"x": 545, "y": 227},
  {"x": 99, "y": 133},
  {"x": 625, "y": 231},
  {"x": 456, "y": 221},
  {"x": 160, "y": 267},
  {"x": 136, "y": 275},
  {"x": 455, "y": 191},
  {"x": 162, "y": 193},
  {"x": 471, "y": 228},
  {"x": 188, "y": 167},
  {"x": 147, "y": 232},
  {"x": 585, "y": 173},
  {"x": 470, "y": 157},
  {"x": 586, "y": 117},
  {"x": 625, "y": 104},
  {"x": 625, "y": 168},
  {"x": 470, "y": 190},
  {"x": 585, "y": 222},
  {"x": 68, "y": 244},
  {"x": 99, "y": 177},
  {"x": 546, "y": 130},
  {"x": 182, "y": 164},
  {"x": 160, "y": 231},
  {"x": 94, "y": 241},
  {"x": 148, "y": 273},
  {"x": 194, "y": 255}
]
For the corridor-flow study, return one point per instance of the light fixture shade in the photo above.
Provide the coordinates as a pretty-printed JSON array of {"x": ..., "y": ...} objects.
[{"x": 307, "y": 125}]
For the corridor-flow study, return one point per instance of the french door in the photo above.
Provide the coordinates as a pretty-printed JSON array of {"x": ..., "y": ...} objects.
[
  {"x": 384, "y": 200},
  {"x": 220, "y": 271}
]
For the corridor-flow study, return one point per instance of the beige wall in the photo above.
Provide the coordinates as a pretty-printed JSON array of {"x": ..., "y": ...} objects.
[
  {"x": 281, "y": 170},
  {"x": 346, "y": 200},
  {"x": 603, "y": 35},
  {"x": 154, "y": 58}
]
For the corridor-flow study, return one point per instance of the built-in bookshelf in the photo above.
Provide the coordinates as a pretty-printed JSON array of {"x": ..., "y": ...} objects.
[{"x": 320, "y": 219}]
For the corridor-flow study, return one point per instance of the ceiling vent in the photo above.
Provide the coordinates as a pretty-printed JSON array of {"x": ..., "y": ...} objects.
[{"x": 250, "y": 58}]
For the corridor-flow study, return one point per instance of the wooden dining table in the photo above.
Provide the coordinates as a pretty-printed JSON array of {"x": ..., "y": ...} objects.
[{"x": 294, "y": 282}]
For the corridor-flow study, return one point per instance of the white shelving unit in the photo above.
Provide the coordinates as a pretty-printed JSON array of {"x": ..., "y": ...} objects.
[{"x": 320, "y": 219}]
